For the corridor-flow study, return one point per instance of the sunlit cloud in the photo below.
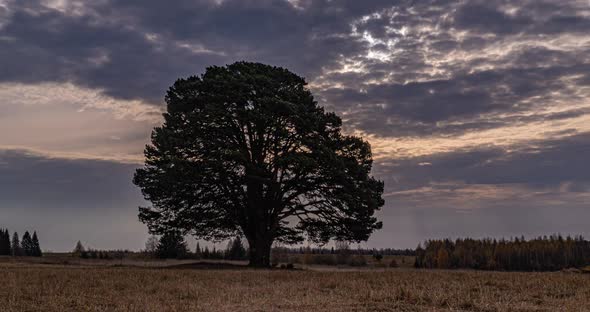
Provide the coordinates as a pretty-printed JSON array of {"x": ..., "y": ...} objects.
[
  {"x": 470, "y": 106},
  {"x": 63, "y": 120}
]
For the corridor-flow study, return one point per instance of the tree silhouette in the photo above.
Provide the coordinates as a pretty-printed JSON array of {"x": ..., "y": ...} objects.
[
  {"x": 27, "y": 244},
  {"x": 246, "y": 150},
  {"x": 151, "y": 245},
  {"x": 36, "y": 248},
  {"x": 79, "y": 249},
  {"x": 4, "y": 242},
  {"x": 172, "y": 245},
  {"x": 198, "y": 252},
  {"x": 15, "y": 245},
  {"x": 540, "y": 254},
  {"x": 235, "y": 250}
]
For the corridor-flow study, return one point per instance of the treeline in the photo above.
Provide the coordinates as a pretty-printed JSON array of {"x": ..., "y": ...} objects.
[
  {"x": 82, "y": 252},
  {"x": 235, "y": 250},
  {"x": 334, "y": 251},
  {"x": 173, "y": 246},
  {"x": 29, "y": 246},
  {"x": 540, "y": 254}
]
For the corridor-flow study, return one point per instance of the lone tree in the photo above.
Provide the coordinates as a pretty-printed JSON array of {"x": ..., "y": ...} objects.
[
  {"x": 79, "y": 249},
  {"x": 246, "y": 150},
  {"x": 36, "y": 251}
]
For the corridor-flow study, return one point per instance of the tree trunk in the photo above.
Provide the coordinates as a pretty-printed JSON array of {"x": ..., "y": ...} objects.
[{"x": 260, "y": 252}]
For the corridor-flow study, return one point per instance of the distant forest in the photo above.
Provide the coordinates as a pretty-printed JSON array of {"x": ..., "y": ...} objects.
[
  {"x": 540, "y": 254},
  {"x": 340, "y": 247},
  {"x": 28, "y": 246}
]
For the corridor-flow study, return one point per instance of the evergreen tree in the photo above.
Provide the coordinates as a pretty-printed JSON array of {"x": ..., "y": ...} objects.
[
  {"x": 7, "y": 241},
  {"x": 36, "y": 247},
  {"x": 198, "y": 252},
  {"x": 15, "y": 246},
  {"x": 4, "y": 242},
  {"x": 79, "y": 249},
  {"x": 172, "y": 245},
  {"x": 27, "y": 244},
  {"x": 236, "y": 250},
  {"x": 228, "y": 249}
]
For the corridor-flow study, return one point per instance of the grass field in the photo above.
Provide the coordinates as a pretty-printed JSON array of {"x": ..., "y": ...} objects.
[{"x": 182, "y": 287}]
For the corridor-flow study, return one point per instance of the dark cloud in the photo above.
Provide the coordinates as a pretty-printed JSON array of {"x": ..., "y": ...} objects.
[
  {"x": 416, "y": 108},
  {"x": 488, "y": 19},
  {"x": 409, "y": 69},
  {"x": 537, "y": 189},
  {"x": 536, "y": 164},
  {"x": 136, "y": 49},
  {"x": 30, "y": 180}
]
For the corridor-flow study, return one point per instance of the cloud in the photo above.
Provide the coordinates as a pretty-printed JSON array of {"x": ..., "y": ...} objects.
[
  {"x": 478, "y": 111},
  {"x": 65, "y": 120},
  {"x": 553, "y": 165}
]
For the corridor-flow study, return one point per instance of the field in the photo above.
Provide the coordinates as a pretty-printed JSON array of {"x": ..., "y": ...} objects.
[{"x": 181, "y": 286}]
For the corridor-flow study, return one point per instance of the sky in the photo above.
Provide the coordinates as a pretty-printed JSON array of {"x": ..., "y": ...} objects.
[{"x": 478, "y": 112}]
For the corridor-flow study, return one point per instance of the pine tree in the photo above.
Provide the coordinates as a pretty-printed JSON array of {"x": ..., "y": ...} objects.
[
  {"x": 236, "y": 250},
  {"x": 27, "y": 244},
  {"x": 16, "y": 247},
  {"x": 4, "y": 242},
  {"x": 36, "y": 247},
  {"x": 227, "y": 254},
  {"x": 79, "y": 249},
  {"x": 7, "y": 241},
  {"x": 198, "y": 252},
  {"x": 172, "y": 245}
]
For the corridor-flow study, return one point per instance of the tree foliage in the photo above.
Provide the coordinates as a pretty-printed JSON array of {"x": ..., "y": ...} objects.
[
  {"x": 15, "y": 245},
  {"x": 541, "y": 254},
  {"x": 27, "y": 245},
  {"x": 246, "y": 150},
  {"x": 79, "y": 249},
  {"x": 151, "y": 245},
  {"x": 235, "y": 250},
  {"x": 35, "y": 246},
  {"x": 172, "y": 245},
  {"x": 4, "y": 243}
]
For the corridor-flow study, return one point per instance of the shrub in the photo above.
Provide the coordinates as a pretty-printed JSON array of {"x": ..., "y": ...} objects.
[
  {"x": 358, "y": 261},
  {"x": 321, "y": 260},
  {"x": 393, "y": 264}
]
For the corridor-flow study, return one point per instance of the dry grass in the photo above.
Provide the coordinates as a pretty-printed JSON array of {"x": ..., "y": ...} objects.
[{"x": 43, "y": 287}]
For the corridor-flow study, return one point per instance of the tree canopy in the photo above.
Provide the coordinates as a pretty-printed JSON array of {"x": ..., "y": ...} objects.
[{"x": 246, "y": 150}]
